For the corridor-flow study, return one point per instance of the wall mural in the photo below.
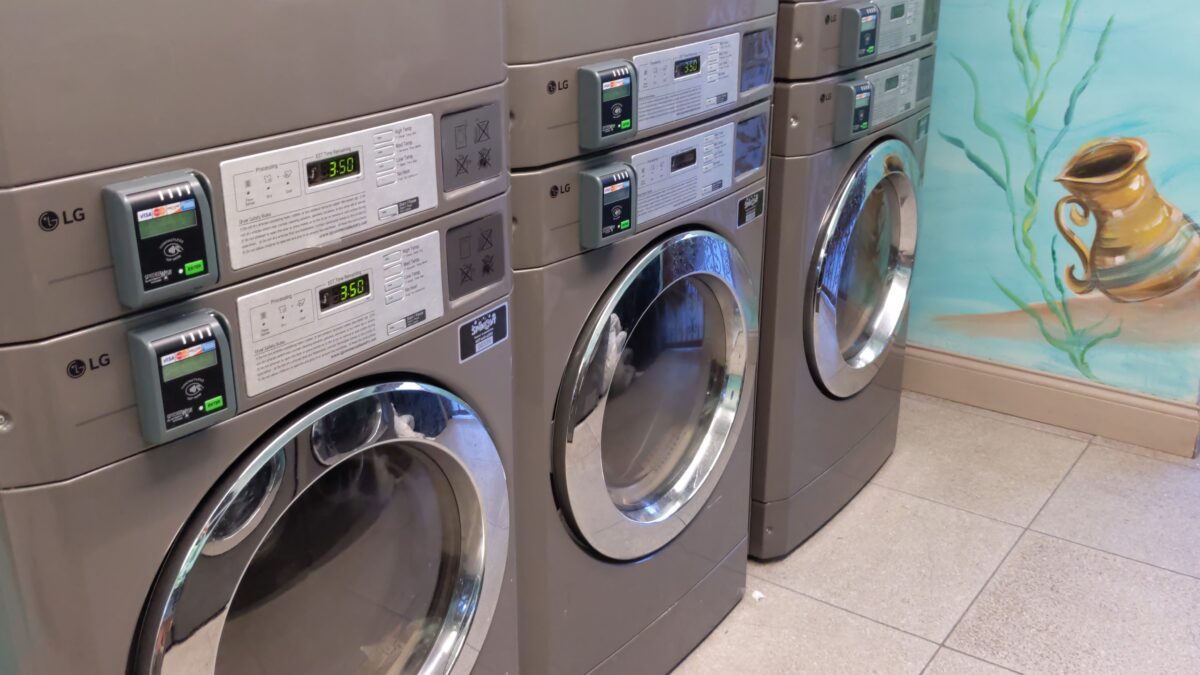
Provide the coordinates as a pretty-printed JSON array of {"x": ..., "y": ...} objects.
[{"x": 1050, "y": 236}]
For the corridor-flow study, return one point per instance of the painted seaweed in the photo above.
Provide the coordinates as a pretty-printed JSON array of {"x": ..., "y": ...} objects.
[{"x": 1060, "y": 330}]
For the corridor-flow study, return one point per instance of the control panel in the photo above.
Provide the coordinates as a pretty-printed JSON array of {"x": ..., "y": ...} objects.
[
  {"x": 183, "y": 375},
  {"x": 687, "y": 81},
  {"x": 871, "y": 30},
  {"x": 160, "y": 234},
  {"x": 675, "y": 176},
  {"x": 881, "y": 97},
  {"x": 607, "y": 104},
  {"x": 608, "y": 205},
  {"x": 306, "y": 196},
  {"x": 296, "y": 328}
]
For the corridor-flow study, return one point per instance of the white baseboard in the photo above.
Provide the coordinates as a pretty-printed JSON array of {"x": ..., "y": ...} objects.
[{"x": 1168, "y": 426}]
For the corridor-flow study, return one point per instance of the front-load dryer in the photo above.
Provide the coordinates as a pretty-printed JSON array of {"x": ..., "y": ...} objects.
[
  {"x": 306, "y": 472},
  {"x": 818, "y": 38},
  {"x": 846, "y": 167},
  {"x": 160, "y": 150},
  {"x": 586, "y": 76},
  {"x": 636, "y": 304}
]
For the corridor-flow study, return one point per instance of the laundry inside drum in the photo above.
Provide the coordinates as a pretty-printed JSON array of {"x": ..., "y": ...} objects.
[
  {"x": 665, "y": 389},
  {"x": 357, "y": 576}
]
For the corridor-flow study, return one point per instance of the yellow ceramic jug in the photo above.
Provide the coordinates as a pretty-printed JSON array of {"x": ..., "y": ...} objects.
[{"x": 1145, "y": 247}]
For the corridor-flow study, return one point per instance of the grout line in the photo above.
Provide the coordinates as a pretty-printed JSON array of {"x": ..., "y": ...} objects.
[
  {"x": 1060, "y": 482},
  {"x": 1115, "y": 555},
  {"x": 848, "y": 611},
  {"x": 984, "y": 587},
  {"x": 970, "y": 655},
  {"x": 949, "y": 506},
  {"x": 930, "y": 661},
  {"x": 1024, "y": 532},
  {"x": 1183, "y": 464}
]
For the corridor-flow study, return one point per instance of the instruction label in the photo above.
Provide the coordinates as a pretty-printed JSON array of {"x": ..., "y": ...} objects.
[
  {"x": 682, "y": 82},
  {"x": 675, "y": 176},
  {"x": 297, "y": 328},
  {"x": 306, "y": 196}
]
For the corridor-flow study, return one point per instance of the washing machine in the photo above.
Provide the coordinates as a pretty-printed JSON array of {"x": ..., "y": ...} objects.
[
  {"x": 636, "y": 304},
  {"x": 818, "y": 38},
  {"x": 306, "y": 472},
  {"x": 846, "y": 168},
  {"x": 585, "y": 77},
  {"x": 395, "y": 111}
]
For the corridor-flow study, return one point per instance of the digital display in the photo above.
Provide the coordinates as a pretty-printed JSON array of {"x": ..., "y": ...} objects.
[
  {"x": 892, "y": 83},
  {"x": 341, "y": 293},
  {"x": 333, "y": 168},
  {"x": 167, "y": 218},
  {"x": 616, "y": 192},
  {"x": 688, "y": 66},
  {"x": 187, "y": 361},
  {"x": 615, "y": 89},
  {"x": 898, "y": 12},
  {"x": 683, "y": 160}
]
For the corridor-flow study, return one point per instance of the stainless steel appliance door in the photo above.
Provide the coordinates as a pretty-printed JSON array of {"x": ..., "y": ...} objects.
[
  {"x": 370, "y": 535},
  {"x": 858, "y": 290},
  {"x": 653, "y": 398}
]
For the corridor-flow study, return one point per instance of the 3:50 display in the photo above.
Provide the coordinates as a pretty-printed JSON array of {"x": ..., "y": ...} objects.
[
  {"x": 341, "y": 293},
  {"x": 333, "y": 168}
]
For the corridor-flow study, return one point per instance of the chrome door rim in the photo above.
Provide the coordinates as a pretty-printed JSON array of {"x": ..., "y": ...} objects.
[
  {"x": 891, "y": 164},
  {"x": 578, "y": 470},
  {"x": 477, "y": 478}
]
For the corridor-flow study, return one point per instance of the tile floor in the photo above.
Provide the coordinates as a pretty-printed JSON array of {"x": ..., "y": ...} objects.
[{"x": 987, "y": 544}]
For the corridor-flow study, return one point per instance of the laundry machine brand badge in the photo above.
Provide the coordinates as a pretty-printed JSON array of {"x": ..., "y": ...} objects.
[
  {"x": 751, "y": 207},
  {"x": 483, "y": 332}
]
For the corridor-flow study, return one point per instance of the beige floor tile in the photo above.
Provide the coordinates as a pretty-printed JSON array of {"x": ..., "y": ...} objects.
[
  {"x": 976, "y": 463},
  {"x": 992, "y": 414},
  {"x": 1133, "y": 506},
  {"x": 775, "y": 631},
  {"x": 950, "y": 662},
  {"x": 1193, "y": 462},
  {"x": 1055, "y": 607},
  {"x": 903, "y": 561}
]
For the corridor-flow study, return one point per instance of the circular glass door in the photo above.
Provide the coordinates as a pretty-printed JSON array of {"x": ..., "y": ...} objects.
[
  {"x": 369, "y": 536},
  {"x": 858, "y": 292},
  {"x": 652, "y": 399}
]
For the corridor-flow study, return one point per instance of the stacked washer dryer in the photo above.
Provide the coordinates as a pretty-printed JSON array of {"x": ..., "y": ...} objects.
[
  {"x": 851, "y": 120},
  {"x": 639, "y": 146},
  {"x": 255, "y": 405}
]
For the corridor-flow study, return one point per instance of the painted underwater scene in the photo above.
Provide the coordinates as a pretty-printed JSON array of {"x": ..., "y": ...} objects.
[{"x": 1055, "y": 230}]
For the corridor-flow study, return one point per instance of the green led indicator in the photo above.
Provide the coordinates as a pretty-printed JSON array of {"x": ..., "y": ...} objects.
[
  {"x": 625, "y": 124},
  {"x": 193, "y": 268},
  {"x": 214, "y": 403},
  {"x": 870, "y": 50},
  {"x": 864, "y": 125},
  {"x": 625, "y": 225}
]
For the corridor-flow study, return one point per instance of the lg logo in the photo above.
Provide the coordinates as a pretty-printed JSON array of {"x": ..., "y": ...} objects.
[
  {"x": 50, "y": 220},
  {"x": 78, "y": 367}
]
